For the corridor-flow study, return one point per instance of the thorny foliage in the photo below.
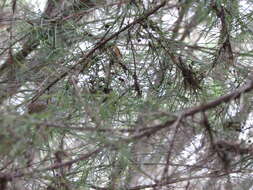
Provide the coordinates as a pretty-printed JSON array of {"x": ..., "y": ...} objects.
[{"x": 125, "y": 94}]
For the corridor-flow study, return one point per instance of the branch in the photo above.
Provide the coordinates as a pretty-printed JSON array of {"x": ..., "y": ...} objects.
[
  {"x": 222, "y": 99},
  {"x": 172, "y": 181},
  {"x": 201, "y": 108},
  {"x": 10, "y": 176}
]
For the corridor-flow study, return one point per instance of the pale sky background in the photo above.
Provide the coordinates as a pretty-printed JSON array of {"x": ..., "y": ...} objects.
[{"x": 38, "y": 4}]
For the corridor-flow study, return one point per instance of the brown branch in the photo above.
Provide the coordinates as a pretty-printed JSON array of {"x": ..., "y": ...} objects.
[
  {"x": 10, "y": 176},
  {"x": 222, "y": 99},
  {"x": 207, "y": 125},
  {"x": 64, "y": 126},
  {"x": 172, "y": 181},
  {"x": 201, "y": 108},
  {"x": 170, "y": 148}
]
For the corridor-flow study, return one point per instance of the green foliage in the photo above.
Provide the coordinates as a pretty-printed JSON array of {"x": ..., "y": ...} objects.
[{"x": 133, "y": 94}]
